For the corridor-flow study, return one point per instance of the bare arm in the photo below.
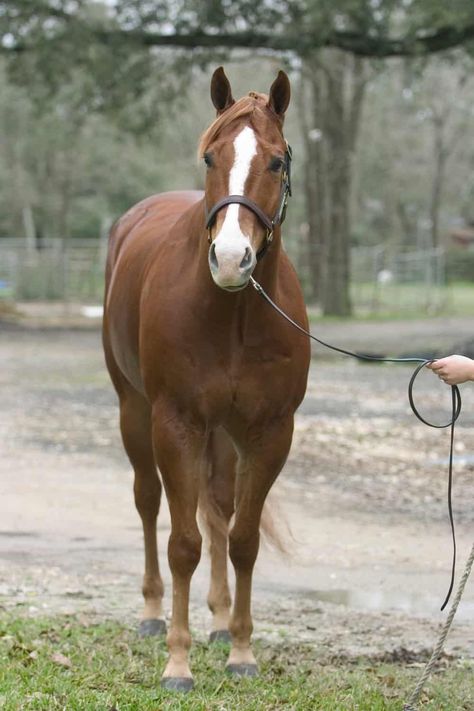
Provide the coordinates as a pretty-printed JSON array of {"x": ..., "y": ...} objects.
[{"x": 454, "y": 369}]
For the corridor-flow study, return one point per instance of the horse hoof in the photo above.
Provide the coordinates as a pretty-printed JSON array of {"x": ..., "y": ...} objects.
[
  {"x": 177, "y": 683},
  {"x": 222, "y": 636},
  {"x": 242, "y": 669},
  {"x": 152, "y": 628}
]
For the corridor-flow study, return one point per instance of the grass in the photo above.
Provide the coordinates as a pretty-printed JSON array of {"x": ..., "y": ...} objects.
[
  {"x": 400, "y": 301},
  {"x": 75, "y": 664}
]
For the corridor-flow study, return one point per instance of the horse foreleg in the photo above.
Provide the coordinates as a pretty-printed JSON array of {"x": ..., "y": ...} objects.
[
  {"x": 218, "y": 512},
  {"x": 135, "y": 425},
  {"x": 262, "y": 460},
  {"x": 180, "y": 454}
]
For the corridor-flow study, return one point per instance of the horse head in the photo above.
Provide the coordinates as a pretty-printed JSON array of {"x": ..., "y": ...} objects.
[{"x": 247, "y": 182}]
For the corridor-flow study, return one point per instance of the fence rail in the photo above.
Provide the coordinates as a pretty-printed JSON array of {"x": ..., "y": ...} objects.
[
  {"x": 57, "y": 271},
  {"x": 406, "y": 281},
  {"x": 73, "y": 271}
]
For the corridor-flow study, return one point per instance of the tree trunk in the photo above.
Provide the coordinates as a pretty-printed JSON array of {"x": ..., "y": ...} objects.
[
  {"x": 440, "y": 157},
  {"x": 29, "y": 227},
  {"x": 336, "y": 296},
  {"x": 314, "y": 204},
  {"x": 445, "y": 139},
  {"x": 337, "y": 84}
]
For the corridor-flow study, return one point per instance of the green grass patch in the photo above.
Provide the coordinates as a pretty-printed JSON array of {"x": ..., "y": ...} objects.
[
  {"x": 69, "y": 663},
  {"x": 400, "y": 301}
]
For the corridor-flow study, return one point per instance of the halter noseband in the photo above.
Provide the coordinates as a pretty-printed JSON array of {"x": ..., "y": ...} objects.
[{"x": 285, "y": 193}]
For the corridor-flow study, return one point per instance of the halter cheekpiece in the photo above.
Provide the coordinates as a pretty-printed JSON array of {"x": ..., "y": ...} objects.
[{"x": 270, "y": 224}]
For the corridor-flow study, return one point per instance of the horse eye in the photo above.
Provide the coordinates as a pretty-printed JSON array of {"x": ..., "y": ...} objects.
[
  {"x": 208, "y": 159},
  {"x": 276, "y": 164}
]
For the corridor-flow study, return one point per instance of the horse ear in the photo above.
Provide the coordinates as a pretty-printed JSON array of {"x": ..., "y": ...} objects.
[
  {"x": 221, "y": 93},
  {"x": 280, "y": 93}
]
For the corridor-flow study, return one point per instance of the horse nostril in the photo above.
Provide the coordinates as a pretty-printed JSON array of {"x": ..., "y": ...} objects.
[
  {"x": 247, "y": 260},
  {"x": 212, "y": 257}
]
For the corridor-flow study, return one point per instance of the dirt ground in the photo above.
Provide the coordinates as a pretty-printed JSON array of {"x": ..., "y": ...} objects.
[{"x": 364, "y": 493}]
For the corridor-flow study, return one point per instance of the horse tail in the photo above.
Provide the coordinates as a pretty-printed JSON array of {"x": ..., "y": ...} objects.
[
  {"x": 274, "y": 527},
  {"x": 217, "y": 495}
]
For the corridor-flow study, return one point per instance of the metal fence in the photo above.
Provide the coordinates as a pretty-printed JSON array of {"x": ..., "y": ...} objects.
[
  {"x": 381, "y": 279},
  {"x": 71, "y": 271},
  {"x": 384, "y": 279}
]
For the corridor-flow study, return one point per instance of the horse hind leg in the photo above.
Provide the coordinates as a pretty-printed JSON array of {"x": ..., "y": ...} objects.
[
  {"x": 217, "y": 507},
  {"x": 135, "y": 425}
]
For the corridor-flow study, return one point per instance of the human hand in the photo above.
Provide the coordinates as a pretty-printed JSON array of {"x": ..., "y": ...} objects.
[{"x": 453, "y": 369}]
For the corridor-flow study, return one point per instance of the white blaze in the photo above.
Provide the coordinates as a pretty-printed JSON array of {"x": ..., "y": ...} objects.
[
  {"x": 231, "y": 243},
  {"x": 245, "y": 147}
]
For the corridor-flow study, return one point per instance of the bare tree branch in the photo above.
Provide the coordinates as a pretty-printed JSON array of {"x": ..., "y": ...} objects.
[{"x": 362, "y": 45}]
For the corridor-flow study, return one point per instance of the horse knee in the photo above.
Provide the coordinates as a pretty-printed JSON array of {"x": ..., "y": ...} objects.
[
  {"x": 184, "y": 552},
  {"x": 243, "y": 549}
]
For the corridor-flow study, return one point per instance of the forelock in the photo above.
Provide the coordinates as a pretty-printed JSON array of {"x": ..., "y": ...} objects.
[{"x": 252, "y": 105}]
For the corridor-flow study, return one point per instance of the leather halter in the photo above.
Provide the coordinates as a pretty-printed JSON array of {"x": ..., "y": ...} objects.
[{"x": 285, "y": 193}]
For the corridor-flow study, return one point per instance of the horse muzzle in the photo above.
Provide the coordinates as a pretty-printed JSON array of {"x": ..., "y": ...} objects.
[{"x": 231, "y": 262}]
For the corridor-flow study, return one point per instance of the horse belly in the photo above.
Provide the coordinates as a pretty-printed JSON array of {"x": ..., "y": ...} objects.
[
  {"x": 121, "y": 326},
  {"x": 122, "y": 303}
]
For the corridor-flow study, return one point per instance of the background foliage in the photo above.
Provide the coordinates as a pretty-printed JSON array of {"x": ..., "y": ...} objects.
[{"x": 103, "y": 103}]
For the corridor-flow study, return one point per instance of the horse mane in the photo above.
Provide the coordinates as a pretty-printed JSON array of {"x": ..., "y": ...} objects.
[{"x": 248, "y": 105}]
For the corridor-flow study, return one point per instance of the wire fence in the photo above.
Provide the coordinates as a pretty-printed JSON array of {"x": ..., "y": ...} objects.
[
  {"x": 57, "y": 271},
  {"x": 382, "y": 280}
]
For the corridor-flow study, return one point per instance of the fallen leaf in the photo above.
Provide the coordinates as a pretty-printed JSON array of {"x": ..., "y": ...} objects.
[{"x": 60, "y": 659}]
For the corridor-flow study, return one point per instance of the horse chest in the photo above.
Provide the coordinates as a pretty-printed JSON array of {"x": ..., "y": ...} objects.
[
  {"x": 217, "y": 366},
  {"x": 246, "y": 385}
]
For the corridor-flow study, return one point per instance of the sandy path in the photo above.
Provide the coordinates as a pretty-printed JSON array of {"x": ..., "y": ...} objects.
[{"x": 363, "y": 492}]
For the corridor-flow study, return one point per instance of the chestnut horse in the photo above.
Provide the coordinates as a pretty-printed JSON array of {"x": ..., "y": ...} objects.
[{"x": 208, "y": 376}]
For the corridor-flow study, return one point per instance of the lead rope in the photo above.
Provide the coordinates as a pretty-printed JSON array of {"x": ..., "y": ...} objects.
[
  {"x": 415, "y": 696},
  {"x": 456, "y": 411}
]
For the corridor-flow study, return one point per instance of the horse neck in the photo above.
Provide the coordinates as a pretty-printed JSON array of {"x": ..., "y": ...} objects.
[{"x": 267, "y": 271}]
